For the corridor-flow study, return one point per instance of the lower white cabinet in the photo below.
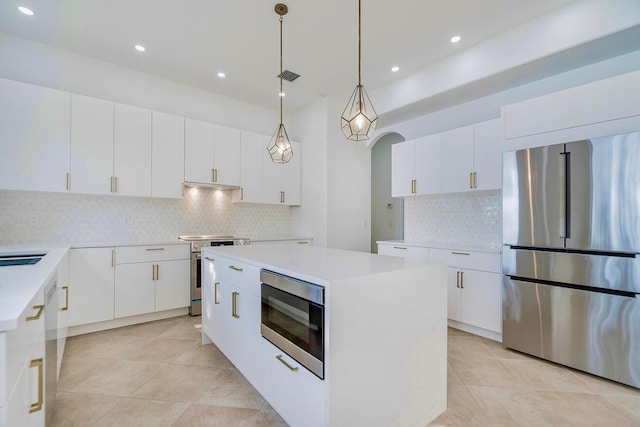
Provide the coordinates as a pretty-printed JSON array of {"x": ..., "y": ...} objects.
[
  {"x": 22, "y": 365},
  {"x": 403, "y": 251},
  {"x": 63, "y": 311},
  {"x": 91, "y": 285},
  {"x": 298, "y": 394},
  {"x": 151, "y": 278}
]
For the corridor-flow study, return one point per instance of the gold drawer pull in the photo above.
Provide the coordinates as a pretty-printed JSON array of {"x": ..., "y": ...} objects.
[
  {"x": 399, "y": 247},
  {"x": 209, "y": 259},
  {"x": 233, "y": 267},
  {"x": 284, "y": 362},
  {"x": 216, "y": 289},
  {"x": 35, "y": 407},
  {"x": 155, "y": 249},
  {"x": 66, "y": 298},
  {"x": 38, "y": 314},
  {"x": 460, "y": 253},
  {"x": 234, "y": 305}
]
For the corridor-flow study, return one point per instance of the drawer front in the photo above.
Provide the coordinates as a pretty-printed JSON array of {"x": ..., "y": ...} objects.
[
  {"x": 18, "y": 343},
  {"x": 151, "y": 253},
  {"x": 404, "y": 251},
  {"x": 294, "y": 392},
  {"x": 243, "y": 275},
  {"x": 464, "y": 259}
]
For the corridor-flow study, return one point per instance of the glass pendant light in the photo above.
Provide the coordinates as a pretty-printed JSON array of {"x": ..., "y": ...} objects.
[
  {"x": 279, "y": 146},
  {"x": 359, "y": 118}
]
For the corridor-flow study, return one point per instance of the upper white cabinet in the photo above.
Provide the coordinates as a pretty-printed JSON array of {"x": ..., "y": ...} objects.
[
  {"x": 282, "y": 180},
  {"x": 132, "y": 151},
  {"x": 212, "y": 153},
  {"x": 416, "y": 166},
  {"x": 292, "y": 177},
  {"x": 167, "y": 155},
  {"x": 91, "y": 163},
  {"x": 34, "y": 137},
  {"x": 253, "y": 147},
  {"x": 472, "y": 157}
]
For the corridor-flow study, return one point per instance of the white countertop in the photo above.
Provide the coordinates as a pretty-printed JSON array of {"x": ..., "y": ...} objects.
[
  {"x": 19, "y": 284},
  {"x": 276, "y": 238},
  {"x": 314, "y": 263},
  {"x": 112, "y": 244},
  {"x": 492, "y": 248}
]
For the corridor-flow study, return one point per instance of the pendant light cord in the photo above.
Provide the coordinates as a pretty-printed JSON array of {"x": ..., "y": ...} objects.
[
  {"x": 281, "y": 92},
  {"x": 359, "y": 43}
]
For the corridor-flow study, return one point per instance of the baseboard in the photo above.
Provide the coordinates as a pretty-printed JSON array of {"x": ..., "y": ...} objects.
[
  {"x": 126, "y": 321},
  {"x": 495, "y": 336}
]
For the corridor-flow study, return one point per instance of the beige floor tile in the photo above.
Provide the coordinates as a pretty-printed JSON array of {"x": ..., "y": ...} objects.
[
  {"x": 230, "y": 388},
  {"x": 631, "y": 404},
  {"x": 499, "y": 351},
  {"x": 217, "y": 416},
  {"x": 151, "y": 329},
  {"x": 75, "y": 371},
  {"x": 119, "y": 379},
  {"x": 185, "y": 330},
  {"x": 141, "y": 412},
  {"x": 204, "y": 355},
  {"x": 466, "y": 347},
  {"x": 542, "y": 375},
  {"x": 160, "y": 350},
  {"x": 180, "y": 383},
  {"x": 595, "y": 384},
  {"x": 482, "y": 371},
  {"x": 268, "y": 417},
  {"x": 108, "y": 347},
  {"x": 81, "y": 409},
  {"x": 548, "y": 408}
]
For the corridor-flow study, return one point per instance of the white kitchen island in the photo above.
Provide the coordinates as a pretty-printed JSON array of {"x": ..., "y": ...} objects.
[{"x": 385, "y": 333}]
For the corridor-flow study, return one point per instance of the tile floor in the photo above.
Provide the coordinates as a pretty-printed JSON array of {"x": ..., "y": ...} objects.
[{"x": 158, "y": 374}]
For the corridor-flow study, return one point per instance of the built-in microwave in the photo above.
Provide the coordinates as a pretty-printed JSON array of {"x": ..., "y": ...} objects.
[{"x": 293, "y": 318}]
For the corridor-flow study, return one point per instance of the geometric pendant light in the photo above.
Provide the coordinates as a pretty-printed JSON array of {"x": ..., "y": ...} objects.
[
  {"x": 279, "y": 146},
  {"x": 359, "y": 118}
]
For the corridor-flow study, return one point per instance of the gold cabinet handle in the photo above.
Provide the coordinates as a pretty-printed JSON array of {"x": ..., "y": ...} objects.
[
  {"x": 213, "y": 175},
  {"x": 233, "y": 267},
  {"x": 113, "y": 257},
  {"x": 155, "y": 249},
  {"x": 209, "y": 259},
  {"x": 111, "y": 183},
  {"x": 116, "y": 185},
  {"x": 457, "y": 279},
  {"x": 470, "y": 179},
  {"x": 284, "y": 362},
  {"x": 216, "y": 290},
  {"x": 68, "y": 181},
  {"x": 241, "y": 193},
  {"x": 475, "y": 180},
  {"x": 460, "y": 253},
  {"x": 462, "y": 280},
  {"x": 234, "y": 304},
  {"x": 66, "y": 298},
  {"x": 303, "y": 243},
  {"x": 157, "y": 271},
  {"x": 38, "y": 314},
  {"x": 153, "y": 272},
  {"x": 35, "y": 407},
  {"x": 399, "y": 247}
]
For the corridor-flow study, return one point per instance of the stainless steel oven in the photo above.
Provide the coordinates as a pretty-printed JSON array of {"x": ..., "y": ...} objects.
[
  {"x": 293, "y": 318},
  {"x": 197, "y": 243}
]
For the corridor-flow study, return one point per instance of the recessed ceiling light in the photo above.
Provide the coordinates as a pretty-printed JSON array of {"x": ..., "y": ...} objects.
[
  {"x": 455, "y": 39},
  {"x": 395, "y": 68},
  {"x": 25, "y": 10},
  {"x": 140, "y": 48},
  {"x": 222, "y": 75},
  {"x": 281, "y": 93}
]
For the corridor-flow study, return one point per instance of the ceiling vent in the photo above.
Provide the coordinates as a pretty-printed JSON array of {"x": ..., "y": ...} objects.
[{"x": 288, "y": 75}]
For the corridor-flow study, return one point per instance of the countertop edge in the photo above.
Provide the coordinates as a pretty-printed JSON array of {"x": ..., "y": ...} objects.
[{"x": 491, "y": 249}]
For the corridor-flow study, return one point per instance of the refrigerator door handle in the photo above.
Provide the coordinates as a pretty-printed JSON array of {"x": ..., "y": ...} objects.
[{"x": 563, "y": 165}]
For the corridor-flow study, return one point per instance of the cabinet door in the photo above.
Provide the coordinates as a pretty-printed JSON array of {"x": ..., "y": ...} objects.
[
  {"x": 227, "y": 155},
  {"x": 91, "y": 287},
  {"x": 272, "y": 179},
  {"x": 246, "y": 330},
  {"x": 172, "y": 284},
  {"x": 292, "y": 177},
  {"x": 63, "y": 307},
  {"x": 209, "y": 298},
  {"x": 453, "y": 294},
  {"x": 253, "y": 147},
  {"x": 91, "y": 161},
  {"x": 167, "y": 155},
  {"x": 428, "y": 164},
  {"x": 134, "y": 289},
  {"x": 487, "y": 154},
  {"x": 402, "y": 168},
  {"x": 132, "y": 151},
  {"x": 457, "y": 159},
  {"x": 198, "y": 151},
  {"x": 481, "y": 300},
  {"x": 34, "y": 135}
]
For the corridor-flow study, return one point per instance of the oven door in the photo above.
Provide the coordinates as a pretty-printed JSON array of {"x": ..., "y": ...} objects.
[{"x": 295, "y": 325}]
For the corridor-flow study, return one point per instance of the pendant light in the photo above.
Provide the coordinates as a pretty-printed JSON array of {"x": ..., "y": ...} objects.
[
  {"x": 359, "y": 118},
  {"x": 279, "y": 146}
]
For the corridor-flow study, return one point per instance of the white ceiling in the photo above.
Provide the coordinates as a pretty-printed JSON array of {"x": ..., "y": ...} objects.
[{"x": 189, "y": 41}]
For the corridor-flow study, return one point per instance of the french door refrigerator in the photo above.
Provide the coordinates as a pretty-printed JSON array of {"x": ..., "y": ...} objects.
[{"x": 571, "y": 254}]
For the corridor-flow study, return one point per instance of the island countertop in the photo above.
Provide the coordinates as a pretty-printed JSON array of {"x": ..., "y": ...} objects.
[{"x": 314, "y": 263}]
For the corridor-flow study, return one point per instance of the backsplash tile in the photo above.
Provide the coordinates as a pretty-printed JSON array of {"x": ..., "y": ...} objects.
[
  {"x": 472, "y": 218},
  {"x": 77, "y": 219}
]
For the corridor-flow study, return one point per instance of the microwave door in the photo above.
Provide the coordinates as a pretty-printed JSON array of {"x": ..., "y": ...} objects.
[
  {"x": 534, "y": 197},
  {"x": 604, "y": 178}
]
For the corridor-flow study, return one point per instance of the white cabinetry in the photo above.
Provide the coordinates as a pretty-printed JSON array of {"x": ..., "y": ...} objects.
[
  {"x": 457, "y": 160},
  {"x": 151, "y": 278},
  {"x": 22, "y": 367},
  {"x": 34, "y": 137},
  {"x": 416, "y": 166},
  {"x": 91, "y": 285},
  {"x": 132, "y": 151},
  {"x": 91, "y": 164},
  {"x": 167, "y": 155},
  {"x": 252, "y": 151},
  {"x": 282, "y": 180},
  {"x": 63, "y": 311},
  {"x": 212, "y": 153},
  {"x": 488, "y": 145},
  {"x": 474, "y": 287}
]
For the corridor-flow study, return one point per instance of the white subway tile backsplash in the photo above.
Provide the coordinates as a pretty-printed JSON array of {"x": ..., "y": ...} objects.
[
  {"x": 472, "y": 218},
  {"x": 76, "y": 219}
]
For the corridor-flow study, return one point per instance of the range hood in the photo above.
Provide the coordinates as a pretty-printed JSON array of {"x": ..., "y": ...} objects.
[{"x": 210, "y": 185}]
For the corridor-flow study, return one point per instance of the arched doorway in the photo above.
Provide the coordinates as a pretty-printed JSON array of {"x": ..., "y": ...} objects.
[{"x": 387, "y": 213}]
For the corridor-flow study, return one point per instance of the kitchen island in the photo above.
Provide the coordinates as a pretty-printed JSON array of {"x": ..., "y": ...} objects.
[{"x": 384, "y": 343}]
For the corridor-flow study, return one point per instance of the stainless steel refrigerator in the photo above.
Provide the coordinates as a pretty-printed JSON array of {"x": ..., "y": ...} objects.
[{"x": 571, "y": 254}]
